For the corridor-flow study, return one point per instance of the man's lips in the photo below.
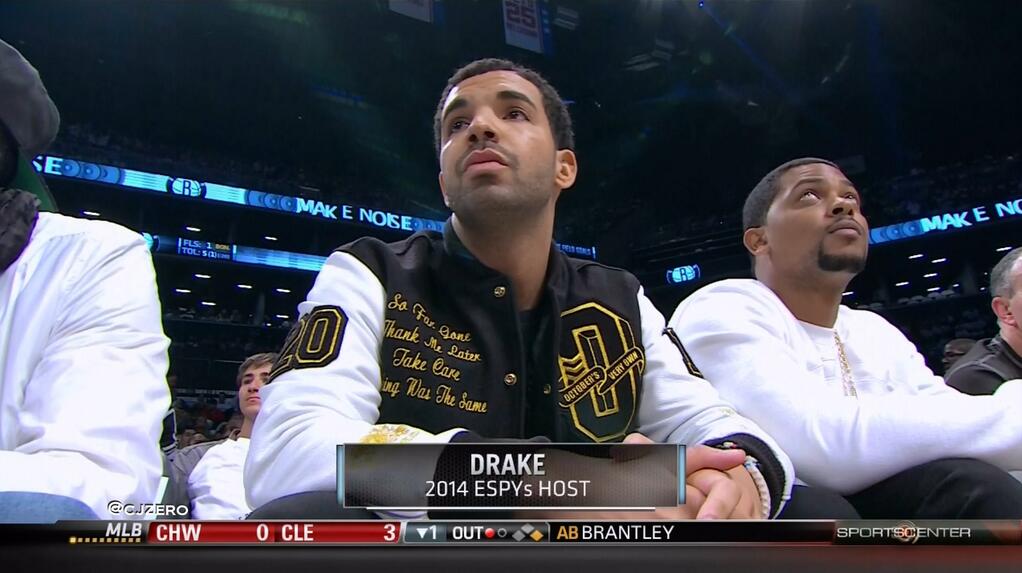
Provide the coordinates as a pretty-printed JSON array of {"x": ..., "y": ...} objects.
[
  {"x": 484, "y": 159},
  {"x": 253, "y": 399},
  {"x": 847, "y": 228}
]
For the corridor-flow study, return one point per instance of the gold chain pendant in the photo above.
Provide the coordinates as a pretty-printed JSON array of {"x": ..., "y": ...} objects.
[{"x": 846, "y": 369}]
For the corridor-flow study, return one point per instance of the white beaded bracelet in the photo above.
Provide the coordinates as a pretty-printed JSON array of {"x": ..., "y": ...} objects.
[{"x": 752, "y": 465}]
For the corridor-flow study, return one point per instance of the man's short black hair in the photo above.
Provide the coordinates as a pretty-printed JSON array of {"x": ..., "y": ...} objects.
[
  {"x": 763, "y": 194},
  {"x": 556, "y": 112},
  {"x": 1000, "y": 277}
]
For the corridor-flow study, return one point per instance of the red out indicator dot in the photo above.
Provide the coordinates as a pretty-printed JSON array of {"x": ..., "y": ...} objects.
[{"x": 489, "y": 533}]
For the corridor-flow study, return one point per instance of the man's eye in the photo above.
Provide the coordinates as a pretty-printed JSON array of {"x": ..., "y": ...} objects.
[
  {"x": 809, "y": 194},
  {"x": 517, "y": 114},
  {"x": 457, "y": 125}
]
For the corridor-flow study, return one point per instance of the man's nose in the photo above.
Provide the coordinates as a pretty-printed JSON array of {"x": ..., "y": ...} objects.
[
  {"x": 844, "y": 206},
  {"x": 482, "y": 128}
]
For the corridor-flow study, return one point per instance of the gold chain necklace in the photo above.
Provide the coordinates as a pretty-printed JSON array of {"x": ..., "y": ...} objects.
[{"x": 846, "y": 369}]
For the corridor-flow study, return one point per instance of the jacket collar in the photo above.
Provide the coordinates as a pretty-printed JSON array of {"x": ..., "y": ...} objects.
[
  {"x": 453, "y": 245},
  {"x": 1007, "y": 348},
  {"x": 457, "y": 253}
]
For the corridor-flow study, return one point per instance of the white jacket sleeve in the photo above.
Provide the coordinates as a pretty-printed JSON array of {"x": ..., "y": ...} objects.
[
  {"x": 910, "y": 367},
  {"x": 89, "y": 422},
  {"x": 836, "y": 442},
  {"x": 308, "y": 410},
  {"x": 678, "y": 406}
]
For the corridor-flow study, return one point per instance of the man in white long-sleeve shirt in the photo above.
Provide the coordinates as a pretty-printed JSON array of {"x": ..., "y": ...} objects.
[
  {"x": 82, "y": 350},
  {"x": 845, "y": 394},
  {"x": 215, "y": 481}
]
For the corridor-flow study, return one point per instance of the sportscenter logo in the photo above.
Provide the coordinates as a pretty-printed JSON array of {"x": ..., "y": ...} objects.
[{"x": 904, "y": 532}]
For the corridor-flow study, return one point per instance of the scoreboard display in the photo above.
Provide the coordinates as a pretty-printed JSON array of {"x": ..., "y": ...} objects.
[
  {"x": 205, "y": 249},
  {"x": 517, "y": 533}
]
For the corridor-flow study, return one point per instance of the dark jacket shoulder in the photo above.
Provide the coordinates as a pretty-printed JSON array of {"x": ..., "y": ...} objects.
[
  {"x": 981, "y": 370},
  {"x": 380, "y": 256}
]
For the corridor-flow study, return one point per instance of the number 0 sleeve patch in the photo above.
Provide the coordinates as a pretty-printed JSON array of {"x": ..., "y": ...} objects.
[{"x": 313, "y": 342}]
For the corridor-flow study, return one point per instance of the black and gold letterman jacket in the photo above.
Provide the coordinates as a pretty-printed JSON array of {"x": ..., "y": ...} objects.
[{"x": 416, "y": 341}]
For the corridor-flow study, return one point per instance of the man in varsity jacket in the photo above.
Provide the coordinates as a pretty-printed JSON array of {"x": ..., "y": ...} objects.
[{"x": 487, "y": 331}]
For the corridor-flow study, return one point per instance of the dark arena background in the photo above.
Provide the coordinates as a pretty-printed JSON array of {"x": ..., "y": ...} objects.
[{"x": 248, "y": 139}]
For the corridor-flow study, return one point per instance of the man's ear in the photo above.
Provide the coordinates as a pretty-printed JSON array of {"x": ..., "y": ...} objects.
[
  {"x": 443, "y": 191},
  {"x": 567, "y": 169},
  {"x": 1004, "y": 315},
  {"x": 755, "y": 240}
]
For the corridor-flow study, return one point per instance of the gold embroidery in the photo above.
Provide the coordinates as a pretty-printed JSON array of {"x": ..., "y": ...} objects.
[
  {"x": 391, "y": 387},
  {"x": 440, "y": 368},
  {"x": 581, "y": 388},
  {"x": 632, "y": 359},
  {"x": 472, "y": 405},
  {"x": 448, "y": 333},
  {"x": 445, "y": 396},
  {"x": 390, "y": 434},
  {"x": 422, "y": 316},
  {"x": 464, "y": 354},
  {"x": 417, "y": 390},
  {"x": 605, "y": 365},
  {"x": 433, "y": 345},
  {"x": 411, "y": 358},
  {"x": 390, "y": 330},
  {"x": 403, "y": 359},
  {"x": 397, "y": 303}
]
